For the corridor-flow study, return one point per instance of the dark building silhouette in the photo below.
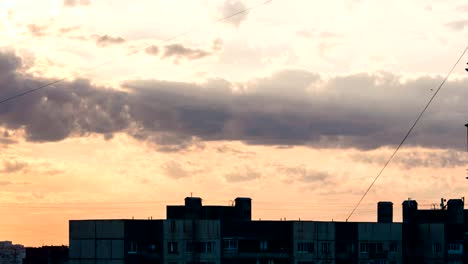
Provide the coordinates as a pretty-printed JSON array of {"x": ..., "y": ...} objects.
[
  {"x": 194, "y": 233},
  {"x": 46, "y": 255},
  {"x": 193, "y": 209}
]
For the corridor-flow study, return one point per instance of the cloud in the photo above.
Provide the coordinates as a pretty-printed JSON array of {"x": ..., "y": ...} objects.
[
  {"x": 414, "y": 159},
  {"x": 7, "y": 183},
  {"x": 13, "y": 166},
  {"x": 242, "y": 175},
  {"x": 36, "y": 30},
  {"x": 462, "y": 8},
  {"x": 218, "y": 44},
  {"x": 457, "y": 24},
  {"x": 231, "y": 7},
  {"x": 175, "y": 170},
  {"x": 302, "y": 174},
  {"x": 106, "y": 40},
  {"x": 305, "y": 33},
  {"x": 152, "y": 50},
  {"x": 67, "y": 30},
  {"x": 178, "y": 51},
  {"x": 72, "y": 3},
  {"x": 289, "y": 108}
]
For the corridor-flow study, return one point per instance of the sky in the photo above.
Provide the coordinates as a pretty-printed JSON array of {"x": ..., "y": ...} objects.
[{"x": 296, "y": 104}]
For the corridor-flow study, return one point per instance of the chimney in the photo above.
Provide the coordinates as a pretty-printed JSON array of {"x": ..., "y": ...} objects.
[{"x": 384, "y": 212}]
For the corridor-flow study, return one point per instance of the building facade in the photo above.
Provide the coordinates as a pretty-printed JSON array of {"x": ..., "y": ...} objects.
[{"x": 194, "y": 233}]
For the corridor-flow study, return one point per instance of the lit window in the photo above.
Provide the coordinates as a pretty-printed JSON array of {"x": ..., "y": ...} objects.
[
  {"x": 133, "y": 249},
  {"x": 263, "y": 245},
  {"x": 172, "y": 247}
]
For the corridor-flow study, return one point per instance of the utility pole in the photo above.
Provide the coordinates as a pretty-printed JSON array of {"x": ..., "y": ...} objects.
[
  {"x": 466, "y": 141},
  {"x": 466, "y": 138}
]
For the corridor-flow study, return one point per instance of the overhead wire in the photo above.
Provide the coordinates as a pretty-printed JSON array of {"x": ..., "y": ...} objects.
[
  {"x": 408, "y": 133},
  {"x": 21, "y": 94}
]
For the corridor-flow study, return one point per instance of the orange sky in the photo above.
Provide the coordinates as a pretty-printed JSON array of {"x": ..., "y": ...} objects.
[{"x": 296, "y": 105}]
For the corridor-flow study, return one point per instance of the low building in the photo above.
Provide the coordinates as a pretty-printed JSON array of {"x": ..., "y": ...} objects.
[
  {"x": 10, "y": 253},
  {"x": 46, "y": 255}
]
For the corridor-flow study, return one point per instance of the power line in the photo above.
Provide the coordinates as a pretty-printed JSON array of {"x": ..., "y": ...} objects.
[
  {"x": 408, "y": 133},
  {"x": 15, "y": 96}
]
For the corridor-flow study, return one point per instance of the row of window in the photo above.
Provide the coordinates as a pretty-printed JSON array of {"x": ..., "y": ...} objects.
[
  {"x": 309, "y": 247},
  {"x": 437, "y": 247},
  {"x": 191, "y": 246}
]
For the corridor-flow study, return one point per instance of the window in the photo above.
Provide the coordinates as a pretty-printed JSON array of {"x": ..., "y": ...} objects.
[
  {"x": 172, "y": 248},
  {"x": 230, "y": 245},
  {"x": 380, "y": 261},
  {"x": 173, "y": 226},
  {"x": 263, "y": 245},
  {"x": 133, "y": 249},
  {"x": 206, "y": 247},
  {"x": 190, "y": 246},
  {"x": 436, "y": 247},
  {"x": 364, "y": 247},
  {"x": 326, "y": 247},
  {"x": 305, "y": 247},
  {"x": 379, "y": 247},
  {"x": 455, "y": 248},
  {"x": 394, "y": 247}
]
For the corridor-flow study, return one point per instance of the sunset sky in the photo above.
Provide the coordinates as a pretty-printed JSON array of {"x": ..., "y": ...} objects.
[{"x": 296, "y": 104}]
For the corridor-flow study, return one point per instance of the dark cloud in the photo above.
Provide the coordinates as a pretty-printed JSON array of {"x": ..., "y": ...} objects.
[
  {"x": 72, "y": 3},
  {"x": 457, "y": 24},
  {"x": 231, "y": 7},
  {"x": 289, "y": 108},
  {"x": 152, "y": 50},
  {"x": 242, "y": 175},
  {"x": 13, "y": 166},
  {"x": 36, "y": 30},
  {"x": 413, "y": 159},
  {"x": 178, "y": 51},
  {"x": 106, "y": 40}
]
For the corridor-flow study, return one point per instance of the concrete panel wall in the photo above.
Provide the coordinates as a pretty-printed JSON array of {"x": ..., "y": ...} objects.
[
  {"x": 88, "y": 249},
  {"x": 380, "y": 231},
  {"x": 82, "y": 229},
  {"x": 110, "y": 229},
  {"x": 104, "y": 249},
  {"x": 75, "y": 249},
  {"x": 117, "y": 249}
]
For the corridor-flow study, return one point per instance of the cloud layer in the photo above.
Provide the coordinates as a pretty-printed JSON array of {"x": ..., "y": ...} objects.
[{"x": 291, "y": 107}]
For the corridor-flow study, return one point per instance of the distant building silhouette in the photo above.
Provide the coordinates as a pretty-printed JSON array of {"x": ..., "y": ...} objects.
[
  {"x": 10, "y": 253},
  {"x": 193, "y": 233},
  {"x": 46, "y": 255}
]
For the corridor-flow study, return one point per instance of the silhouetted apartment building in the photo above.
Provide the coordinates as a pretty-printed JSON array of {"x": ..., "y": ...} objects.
[
  {"x": 11, "y": 253},
  {"x": 194, "y": 233}
]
